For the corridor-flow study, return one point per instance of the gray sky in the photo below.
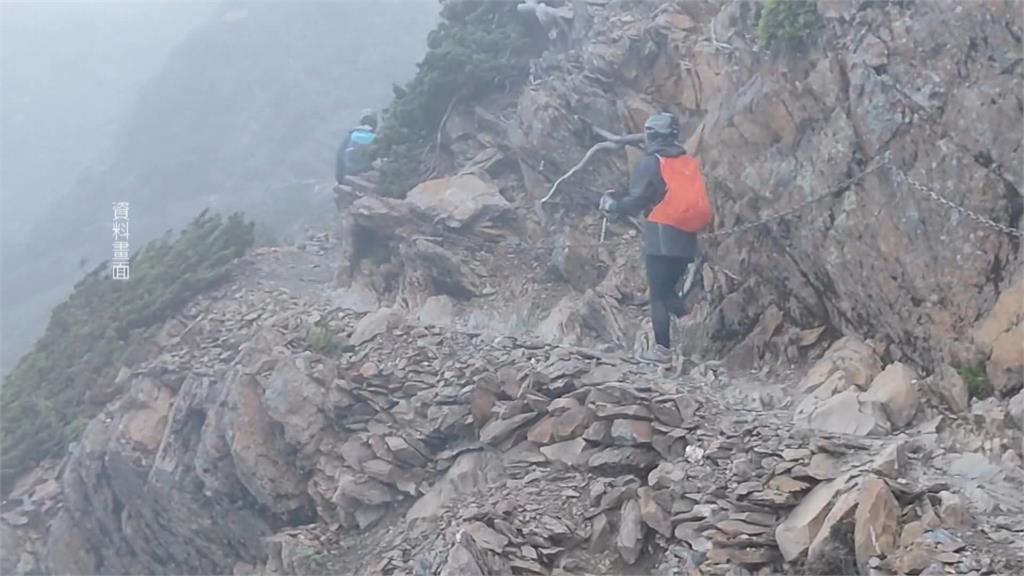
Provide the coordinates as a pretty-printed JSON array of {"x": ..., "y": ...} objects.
[{"x": 70, "y": 70}]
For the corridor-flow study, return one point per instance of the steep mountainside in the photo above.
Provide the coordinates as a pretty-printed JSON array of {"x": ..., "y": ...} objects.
[{"x": 462, "y": 397}]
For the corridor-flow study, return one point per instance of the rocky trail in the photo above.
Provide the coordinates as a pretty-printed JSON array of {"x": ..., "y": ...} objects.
[{"x": 279, "y": 434}]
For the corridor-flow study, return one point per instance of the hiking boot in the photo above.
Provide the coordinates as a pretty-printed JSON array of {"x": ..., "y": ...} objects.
[{"x": 657, "y": 355}]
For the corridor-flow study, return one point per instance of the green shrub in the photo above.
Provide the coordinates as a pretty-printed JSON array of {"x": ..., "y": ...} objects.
[
  {"x": 787, "y": 22},
  {"x": 323, "y": 339},
  {"x": 978, "y": 385},
  {"x": 57, "y": 388},
  {"x": 478, "y": 48}
]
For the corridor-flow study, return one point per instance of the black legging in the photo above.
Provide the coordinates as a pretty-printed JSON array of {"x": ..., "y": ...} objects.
[{"x": 663, "y": 273}]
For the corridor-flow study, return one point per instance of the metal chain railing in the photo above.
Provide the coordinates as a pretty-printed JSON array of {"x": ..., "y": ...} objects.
[
  {"x": 934, "y": 196},
  {"x": 879, "y": 161}
]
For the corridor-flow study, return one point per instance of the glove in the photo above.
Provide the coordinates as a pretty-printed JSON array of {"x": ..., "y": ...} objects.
[{"x": 607, "y": 204}]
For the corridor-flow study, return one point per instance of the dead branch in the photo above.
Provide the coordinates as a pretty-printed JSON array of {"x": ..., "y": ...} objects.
[
  {"x": 628, "y": 139},
  {"x": 440, "y": 132},
  {"x": 611, "y": 142}
]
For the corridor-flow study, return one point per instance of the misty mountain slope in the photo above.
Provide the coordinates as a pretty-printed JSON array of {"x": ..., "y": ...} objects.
[
  {"x": 247, "y": 106},
  {"x": 465, "y": 402},
  {"x": 69, "y": 76}
]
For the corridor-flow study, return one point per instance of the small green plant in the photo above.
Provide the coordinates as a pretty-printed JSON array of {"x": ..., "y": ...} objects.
[
  {"x": 479, "y": 47},
  {"x": 787, "y": 22},
  {"x": 57, "y": 388},
  {"x": 323, "y": 339},
  {"x": 978, "y": 385}
]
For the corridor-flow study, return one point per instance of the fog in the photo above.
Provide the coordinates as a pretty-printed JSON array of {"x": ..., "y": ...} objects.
[{"x": 175, "y": 107}]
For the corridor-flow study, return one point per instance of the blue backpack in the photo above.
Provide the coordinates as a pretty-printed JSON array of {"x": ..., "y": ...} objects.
[{"x": 357, "y": 153}]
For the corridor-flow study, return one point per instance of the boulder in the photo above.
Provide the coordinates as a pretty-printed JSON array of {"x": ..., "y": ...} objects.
[
  {"x": 458, "y": 201},
  {"x": 666, "y": 476},
  {"x": 1015, "y": 410},
  {"x": 953, "y": 510},
  {"x": 372, "y": 325},
  {"x": 386, "y": 216},
  {"x": 892, "y": 461},
  {"x": 262, "y": 460},
  {"x": 972, "y": 465},
  {"x": 437, "y": 311},
  {"x": 896, "y": 390},
  {"x": 1007, "y": 313},
  {"x": 485, "y": 537},
  {"x": 653, "y": 514},
  {"x": 598, "y": 432},
  {"x": 999, "y": 336},
  {"x": 631, "y": 531},
  {"x": 876, "y": 522},
  {"x": 460, "y": 562},
  {"x": 950, "y": 387},
  {"x": 623, "y": 458},
  {"x": 497, "y": 430},
  {"x": 570, "y": 452},
  {"x": 543, "y": 432},
  {"x": 364, "y": 489},
  {"x": 631, "y": 432},
  {"x": 1005, "y": 367},
  {"x": 405, "y": 452},
  {"x": 357, "y": 296},
  {"x": 850, "y": 357},
  {"x": 294, "y": 400},
  {"x": 572, "y": 423},
  {"x": 845, "y": 413},
  {"x": 795, "y": 533},
  {"x": 834, "y": 540},
  {"x": 471, "y": 472}
]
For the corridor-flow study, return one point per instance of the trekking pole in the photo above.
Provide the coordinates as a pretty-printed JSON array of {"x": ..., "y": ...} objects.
[{"x": 604, "y": 228}]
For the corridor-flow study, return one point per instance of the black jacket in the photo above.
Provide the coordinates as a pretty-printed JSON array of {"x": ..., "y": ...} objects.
[{"x": 646, "y": 189}]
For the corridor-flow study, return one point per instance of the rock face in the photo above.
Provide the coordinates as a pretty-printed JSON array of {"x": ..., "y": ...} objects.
[{"x": 888, "y": 263}]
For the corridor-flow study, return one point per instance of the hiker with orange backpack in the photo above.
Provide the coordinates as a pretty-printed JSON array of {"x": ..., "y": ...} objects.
[{"x": 667, "y": 183}]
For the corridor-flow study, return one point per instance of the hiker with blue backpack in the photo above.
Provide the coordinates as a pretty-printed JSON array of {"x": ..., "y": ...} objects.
[{"x": 354, "y": 153}]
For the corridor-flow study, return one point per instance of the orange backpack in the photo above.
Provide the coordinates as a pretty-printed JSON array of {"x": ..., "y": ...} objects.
[{"x": 685, "y": 205}]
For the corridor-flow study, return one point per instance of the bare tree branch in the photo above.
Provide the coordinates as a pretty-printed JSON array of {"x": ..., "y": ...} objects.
[
  {"x": 612, "y": 142},
  {"x": 440, "y": 132}
]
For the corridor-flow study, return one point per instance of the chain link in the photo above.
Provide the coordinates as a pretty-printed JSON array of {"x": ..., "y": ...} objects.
[
  {"x": 875, "y": 165},
  {"x": 931, "y": 194}
]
